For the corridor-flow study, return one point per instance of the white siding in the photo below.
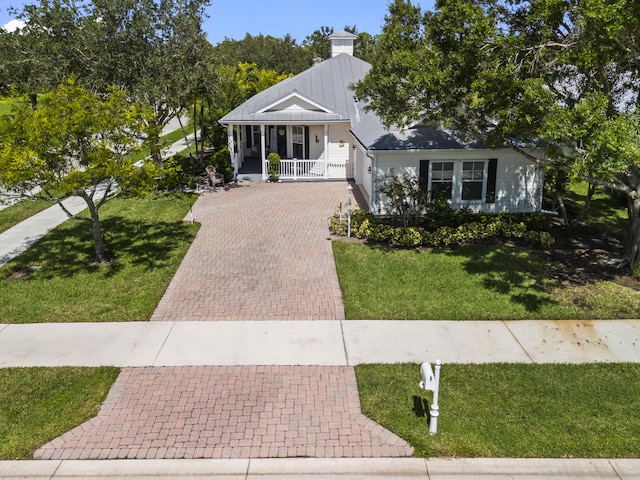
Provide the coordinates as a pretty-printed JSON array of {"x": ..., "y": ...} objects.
[
  {"x": 316, "y": 149},
  {"x": 519, "y": 182}
]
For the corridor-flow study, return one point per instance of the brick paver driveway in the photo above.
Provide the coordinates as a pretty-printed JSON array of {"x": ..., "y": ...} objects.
[
  {"x": 261, "y": 254},
  {"x": 229, "y": 412}
]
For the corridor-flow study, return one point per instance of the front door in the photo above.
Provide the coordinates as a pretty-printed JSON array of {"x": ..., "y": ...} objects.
[{"x": 282, "y": 140}]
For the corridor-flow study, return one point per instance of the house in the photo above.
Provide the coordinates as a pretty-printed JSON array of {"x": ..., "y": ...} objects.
[{"x": 322, "y": 132}]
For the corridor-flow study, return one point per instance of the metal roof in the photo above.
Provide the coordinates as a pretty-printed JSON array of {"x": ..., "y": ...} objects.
[
  {"x": 373, "y": 135},
  {"x": 322, "y": 94},
  {"x": 326, "y": 83}
]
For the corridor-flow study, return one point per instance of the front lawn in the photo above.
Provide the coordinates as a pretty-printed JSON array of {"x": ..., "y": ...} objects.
[
  {"x": 40, "y": 404},
  {"x": 483, "y": 282},
  {"x": 54, "y": 280},
  {"x": 556, "y": 411}
]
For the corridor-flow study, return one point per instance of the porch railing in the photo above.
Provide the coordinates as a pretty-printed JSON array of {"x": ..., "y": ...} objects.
[{"x": 294, "y": 169}]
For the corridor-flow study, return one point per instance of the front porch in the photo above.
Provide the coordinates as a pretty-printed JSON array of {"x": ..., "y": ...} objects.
[{"x": 307, "y": 152}]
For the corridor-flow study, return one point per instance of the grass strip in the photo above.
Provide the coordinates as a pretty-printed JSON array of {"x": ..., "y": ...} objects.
[
  {"x": 18, "y": 212},
  {"x": 40, "y": 404},
  {"x": 54, "y": 281},
  {"x": 483, "y": 282},
  {"x": 508, "y": 410}
]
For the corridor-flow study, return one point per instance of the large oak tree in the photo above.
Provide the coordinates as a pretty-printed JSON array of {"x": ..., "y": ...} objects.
[
  {"x": 561, "y": 75},
  {"x": 150, "y": 48}
]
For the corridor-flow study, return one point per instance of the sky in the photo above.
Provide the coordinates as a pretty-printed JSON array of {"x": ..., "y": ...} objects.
[{"x": 299, "y": 18}]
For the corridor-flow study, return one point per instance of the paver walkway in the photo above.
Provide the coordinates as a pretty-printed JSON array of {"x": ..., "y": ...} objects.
[
  {"x": 229, "y": 412},
  {"x": 262, "y": 253}
]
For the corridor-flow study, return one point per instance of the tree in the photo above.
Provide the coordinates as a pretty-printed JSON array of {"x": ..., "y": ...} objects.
[
  {"x": 557, "y": 75},
  {"x": 143, "y": 46},
  {"x": 283, "y": 55},
  {"x": 318, "y": 43},
  {"x": 231, "y": 86},
  {"x": 77, "y": 143}
]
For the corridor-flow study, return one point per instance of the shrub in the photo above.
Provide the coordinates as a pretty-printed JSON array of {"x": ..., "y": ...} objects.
[
  {"x": 222, "y": 161},
  {"x": 476, "y": 228},
  {"x": 274, "y": 166}
]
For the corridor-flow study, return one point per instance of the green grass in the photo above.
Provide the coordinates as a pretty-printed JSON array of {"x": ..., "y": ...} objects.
[
  {"x": 484, "y": 282},
  {"x": 20, "y": 211},
  {"x": 605, "y": 213},
  {"x": 149, "y": 239},
  {"x": 557, "y": 411},
  {"x": 40, "y": 404}
]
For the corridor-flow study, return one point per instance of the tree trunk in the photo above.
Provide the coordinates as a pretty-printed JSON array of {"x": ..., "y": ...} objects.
[
  {"x": 195, "y": 125},
  {"x": 185, "y": 135},
  {"x": 633, "y": 240},
  {"x": 563, "y": 210},
  {"x": 96, "y": 227}
]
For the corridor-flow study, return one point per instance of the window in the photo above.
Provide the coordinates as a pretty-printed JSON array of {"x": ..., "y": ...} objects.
[
  {"x": 442, "y": 179},
  {"x": 472, "y": 180},
  {"x": 460, "y": 182},
  {"x": 298, "y": 141}
]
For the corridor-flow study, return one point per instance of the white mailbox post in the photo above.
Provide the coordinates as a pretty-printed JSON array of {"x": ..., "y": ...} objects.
[
  {"x": 349, "y": 189},
  {"x": 431, "y": 381}
]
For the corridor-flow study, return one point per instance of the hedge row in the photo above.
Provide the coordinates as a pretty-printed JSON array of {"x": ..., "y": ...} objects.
[{"x": 365, "y": 226}]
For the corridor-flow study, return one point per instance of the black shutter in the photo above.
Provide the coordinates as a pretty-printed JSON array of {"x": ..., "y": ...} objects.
[
  {"x": 423, "y": 179},
  {"x": 306, "y": 143},
  {"x": 491, "y": 180},
  {"x": 249, "y": 136}
]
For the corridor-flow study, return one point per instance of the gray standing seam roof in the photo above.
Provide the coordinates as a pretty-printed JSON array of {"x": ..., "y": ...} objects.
[{"x": 326, "y": 83}]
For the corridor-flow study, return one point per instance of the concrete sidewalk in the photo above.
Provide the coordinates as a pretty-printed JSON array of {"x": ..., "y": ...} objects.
[
  {"x": 328, "y": 469},
  {"x": 317, "y": 342},
  {"x": 20, "y": 237}
]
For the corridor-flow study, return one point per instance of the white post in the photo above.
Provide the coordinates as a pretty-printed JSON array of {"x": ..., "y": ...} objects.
[
  {"x": 230, "y": 142},
  {"x": 435, "y": 409},
  {"x": 326, "y": 150},
  {"x": 350, "y": 189},
  {"x": 263, "y": 151}
]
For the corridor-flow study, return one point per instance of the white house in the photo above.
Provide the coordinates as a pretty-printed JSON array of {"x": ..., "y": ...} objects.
[{"x": 321, "y": 132}]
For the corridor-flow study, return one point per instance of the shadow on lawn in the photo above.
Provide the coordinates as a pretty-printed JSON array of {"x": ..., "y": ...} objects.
[
  {"x": 510, "y": 271},
  {"x": 68, "y": 250}
]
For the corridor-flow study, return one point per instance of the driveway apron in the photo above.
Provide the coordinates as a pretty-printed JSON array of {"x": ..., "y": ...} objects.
[{"x": 262, "y": 253}]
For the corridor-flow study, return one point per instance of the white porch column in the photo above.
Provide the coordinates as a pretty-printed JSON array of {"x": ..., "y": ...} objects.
[
  {"x": 232, "y": 150},
  {"x": 263, "y": 151},
  {"x": 240, "y": 143},
  {"x": 326, "y": 150}
]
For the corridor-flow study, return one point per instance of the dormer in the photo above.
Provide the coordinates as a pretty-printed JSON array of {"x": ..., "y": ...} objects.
[{"x": 342, "y": 42}]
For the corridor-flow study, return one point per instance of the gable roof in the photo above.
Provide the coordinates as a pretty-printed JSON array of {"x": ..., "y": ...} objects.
[{"x": 324, "y": 86}]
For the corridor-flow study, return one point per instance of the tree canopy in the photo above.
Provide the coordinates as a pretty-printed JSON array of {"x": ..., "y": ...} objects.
[
  {"x": 558, "y": 75},
  {"x": 152, "y": 49},
  {"x": 78, "y": 143}
]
